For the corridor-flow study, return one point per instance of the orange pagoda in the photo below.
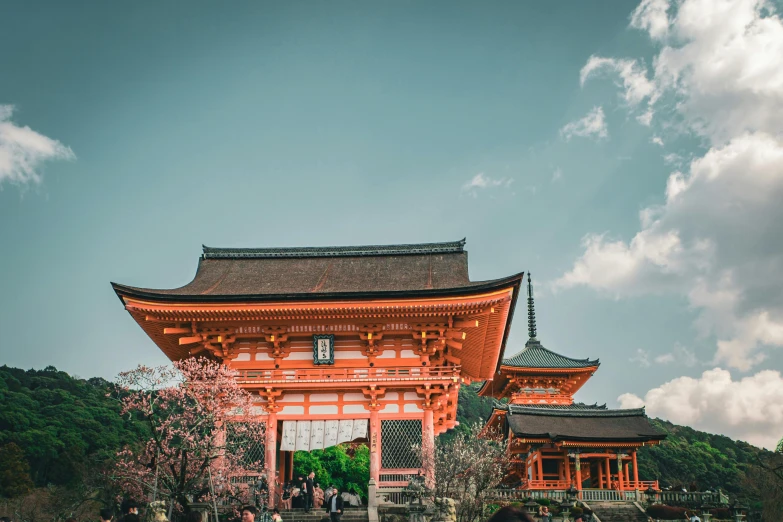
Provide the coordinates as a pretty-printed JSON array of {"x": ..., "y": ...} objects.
[
  {"x": 554, "y": 442},
  {"x": 339, "y": 344}
]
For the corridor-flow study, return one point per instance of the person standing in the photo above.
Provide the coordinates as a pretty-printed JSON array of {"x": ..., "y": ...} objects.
[
  {"x": 318, "y": 496},
  {"x": 249, "y": 514},
  {"x": 335, "y": 505},
  {"x": 309, "y": 485}
]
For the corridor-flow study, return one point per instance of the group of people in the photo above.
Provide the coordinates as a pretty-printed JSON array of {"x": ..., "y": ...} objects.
[{"x": 305, "y": 493}]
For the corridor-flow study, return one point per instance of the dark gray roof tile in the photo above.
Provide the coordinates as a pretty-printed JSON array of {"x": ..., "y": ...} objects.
[{"x": 534, "y": 355}]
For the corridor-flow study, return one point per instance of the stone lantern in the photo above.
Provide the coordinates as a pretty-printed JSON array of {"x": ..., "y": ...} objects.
[
  {"x": 737, "y": 510},
  {"x": 705, "y": 513},
  {"x": 572, "y": 493}
]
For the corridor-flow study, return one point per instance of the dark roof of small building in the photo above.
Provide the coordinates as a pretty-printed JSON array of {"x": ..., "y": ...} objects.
[
  {"x": 259, "y": 274},
  {"x": 581, "y": 424},
  {"x": 534, "y": 355},
  {"x": 576, "y": 406}
]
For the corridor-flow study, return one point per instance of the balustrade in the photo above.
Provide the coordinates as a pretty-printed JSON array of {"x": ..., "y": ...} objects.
[{"x": 342, "y": 375}]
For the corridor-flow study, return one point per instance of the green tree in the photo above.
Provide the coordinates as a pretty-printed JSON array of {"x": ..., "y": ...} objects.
[
  {"x": 344, "y": 466},
  {"x": 14, "y": 472}
]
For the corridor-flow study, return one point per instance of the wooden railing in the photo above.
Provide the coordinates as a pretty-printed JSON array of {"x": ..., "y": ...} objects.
[
  {"x": 333, "y": 374},
  {"x": 610, "y": 495},
  {"x": 545, "y": 484}
]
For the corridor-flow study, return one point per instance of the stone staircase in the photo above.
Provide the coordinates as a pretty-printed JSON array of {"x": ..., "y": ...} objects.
[
  {"x": 351, "y": 514},
  {"x": 618, "y": 512}
]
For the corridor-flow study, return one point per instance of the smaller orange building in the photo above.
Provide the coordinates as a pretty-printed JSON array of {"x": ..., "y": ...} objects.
[{"x": 555, "y": 442}]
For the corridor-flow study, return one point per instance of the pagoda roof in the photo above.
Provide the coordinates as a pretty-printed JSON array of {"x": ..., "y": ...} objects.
[
  {"x": 581, "y": 423},
  {"x": 534, "y": 355},
  {"x": 274, "y": 274}
]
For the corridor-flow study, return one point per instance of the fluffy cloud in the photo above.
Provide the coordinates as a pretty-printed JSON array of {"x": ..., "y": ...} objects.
[
  {"x": 592, "y": 125},
  {"x": 750, "y": 409},
  {"x": 23, "y": 151},
  {"x": 716, "y": 237},
  {"x": 680, "y": 354},
  {"x": 632, "y": 75},
  {"x": 482, "y": 181}
]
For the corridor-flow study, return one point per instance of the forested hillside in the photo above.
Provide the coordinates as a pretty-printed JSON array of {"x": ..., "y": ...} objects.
[{"x": 62, "y": 425}]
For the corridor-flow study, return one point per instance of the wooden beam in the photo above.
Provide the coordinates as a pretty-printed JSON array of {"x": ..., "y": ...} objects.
[
  {"x": 177, "y": 330},
  {"x": 466, "y": 323},
  {"x": 189, "y": 340},
  {"x": 453, "y": 344}
]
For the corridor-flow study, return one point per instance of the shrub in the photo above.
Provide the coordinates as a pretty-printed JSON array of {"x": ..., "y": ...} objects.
[
  {"x": 544, "y": 502},
  {"x": 722, "y": 513},
  {"x": 666, "y": 512},
  {"x": 575, "y": 511}
]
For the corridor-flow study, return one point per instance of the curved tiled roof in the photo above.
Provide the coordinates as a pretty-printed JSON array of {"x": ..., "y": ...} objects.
[
  {"x": 256, "y": 274},
  {"x": 587, "y": 424},
  {"x": 534, "y": 355}
]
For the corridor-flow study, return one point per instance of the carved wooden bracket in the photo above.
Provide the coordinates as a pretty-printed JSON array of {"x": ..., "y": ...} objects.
[
  {"x": 277, "y": 336},
  {"x": 373, "y": 394},
  {"x": 271, "y": 395},
  {"x": 371, "y": 335}
]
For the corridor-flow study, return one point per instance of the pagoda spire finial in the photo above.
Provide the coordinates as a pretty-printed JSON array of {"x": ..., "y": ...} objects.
[{"x": 531, "y": 310}]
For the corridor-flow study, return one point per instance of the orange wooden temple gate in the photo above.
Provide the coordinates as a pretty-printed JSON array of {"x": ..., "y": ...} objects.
[{"x": 367, "y": 344}]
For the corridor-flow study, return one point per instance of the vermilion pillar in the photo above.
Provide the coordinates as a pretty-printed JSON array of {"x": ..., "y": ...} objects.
[
  {"x": 539, "y": 465},
  {"x": 635, "y": 470},
  {"x": 600, "y": 474},
  {"x": 578, "y": 466},
  {"x": 271, "y": 457},
  {"x": 620, "y": 472},
  {"x": 375, "y": 446},
  {"x": 428, "y": 445}
]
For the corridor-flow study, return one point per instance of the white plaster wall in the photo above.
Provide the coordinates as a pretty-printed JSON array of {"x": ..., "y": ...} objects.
[
  {"x": 324, "y": 408},
  {"x": 294, "y": 397},
  {"x": 323, "y": 397}
]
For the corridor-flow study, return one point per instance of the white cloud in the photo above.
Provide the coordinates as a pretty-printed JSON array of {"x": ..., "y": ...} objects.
[
  {"x": 481, "y": 181},
  {"x": 23, "y": 151},
  {"x": 666, "y": 358},
  {"x": 557, "y": 175},
  {"x": 642, "y": 358},
  {"x": 716, "y": 238},
  {"x": 656, "y": 140},
  {"x": 651, "y": 16},
  {"x": 632, "y": 75},
  {"x": 592, "y": 125},
  {"x": 750, "y": 409}
]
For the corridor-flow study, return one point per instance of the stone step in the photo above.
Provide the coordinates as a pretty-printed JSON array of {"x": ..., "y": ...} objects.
[{"x": 299, "y": 515}]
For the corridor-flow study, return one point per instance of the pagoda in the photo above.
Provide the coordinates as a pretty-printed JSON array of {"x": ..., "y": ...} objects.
[
  {"x": 339, "y": 344},
  {"x": 554, "y": 442}
]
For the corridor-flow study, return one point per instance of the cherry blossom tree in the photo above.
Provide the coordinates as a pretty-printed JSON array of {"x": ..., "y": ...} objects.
[
  {"x": 467, "y": 467},
  {"x": 188, "y": 408}
]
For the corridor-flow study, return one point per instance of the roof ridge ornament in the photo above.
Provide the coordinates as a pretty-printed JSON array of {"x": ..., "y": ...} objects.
[
  {"x": 531, "y": 310},
  {"x": 449, "y": 247}
]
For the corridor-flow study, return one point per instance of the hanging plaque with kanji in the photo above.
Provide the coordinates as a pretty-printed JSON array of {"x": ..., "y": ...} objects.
[{"x": 323, "y": 349}]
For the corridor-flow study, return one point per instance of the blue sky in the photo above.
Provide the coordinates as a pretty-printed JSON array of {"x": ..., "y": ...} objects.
[{"x": 156, "y": 128}]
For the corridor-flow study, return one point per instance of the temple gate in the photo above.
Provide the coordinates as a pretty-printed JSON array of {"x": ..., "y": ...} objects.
[{"x": 338, "y": 344}]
